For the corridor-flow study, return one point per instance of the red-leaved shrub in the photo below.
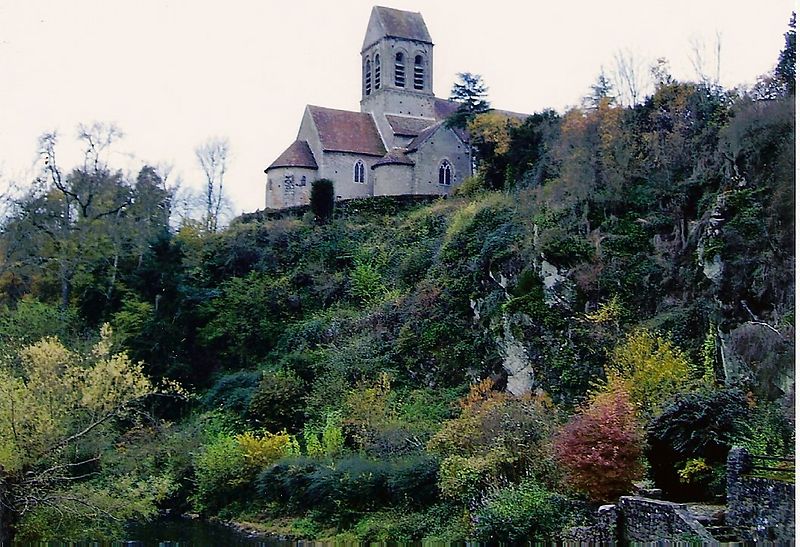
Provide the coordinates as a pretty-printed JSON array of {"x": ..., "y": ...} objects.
[{"x": 600, "y": 449}]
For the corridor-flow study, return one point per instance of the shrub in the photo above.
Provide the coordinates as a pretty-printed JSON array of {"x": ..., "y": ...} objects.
[
  {"x": 233, "y": 392},
  {"x": 278, "y": 402},
  {"x": 701, "y": 425},
  {"x": 226, "y": 467},
  {"x": 350, "y": 486},
  {"x": 601, "y": 447},
  {"x": 322, "y": 200},
  {"x": 496, "y": 438},
  {"x": 651, "y": 369},
  {"x": 221, "y": 474},
  {"x": 262, "y": 450},
  {"x": 521, "y": 512}
]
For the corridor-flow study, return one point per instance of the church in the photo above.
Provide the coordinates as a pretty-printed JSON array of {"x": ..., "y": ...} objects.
[{"x": 397, "y": 144}]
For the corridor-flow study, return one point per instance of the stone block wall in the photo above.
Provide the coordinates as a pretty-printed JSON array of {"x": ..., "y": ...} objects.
[
  {"x": 603, "y": 531},
  {"x": 762, "y": 509},
  {"x": 646, "y": 520}
]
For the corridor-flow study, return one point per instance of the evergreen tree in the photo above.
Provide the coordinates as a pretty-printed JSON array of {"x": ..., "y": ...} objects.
[{"x": 470, "y": 91}]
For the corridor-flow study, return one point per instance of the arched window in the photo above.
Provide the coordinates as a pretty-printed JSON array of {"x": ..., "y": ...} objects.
[
  {"x": 377, "y": 71},
  {"x": 445, "y": 173},
  {"x": 399, "y": 70},
  {"x": 367, "y": 78},
  {"x": 419, "y": 72},
  {"x": 359, "y": 174}
]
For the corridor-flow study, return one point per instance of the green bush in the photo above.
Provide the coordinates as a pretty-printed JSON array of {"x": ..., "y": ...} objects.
[
  {"x": 233, "y": 392},
  {"x": 523, "y": 512},
  {"x": 278, "y": 402},
  {"x": 322, "y": 199},
  {"x": 698, "y": 425},
  {"x": 350, "y": 486},
  {"x": 221, "y": 475}
]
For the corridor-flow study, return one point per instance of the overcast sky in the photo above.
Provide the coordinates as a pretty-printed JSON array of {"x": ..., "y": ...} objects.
[{"x": 173, "y": 73}]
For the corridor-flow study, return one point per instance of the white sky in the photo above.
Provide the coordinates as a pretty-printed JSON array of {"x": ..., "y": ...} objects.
[{"x": 173, "y": 73}]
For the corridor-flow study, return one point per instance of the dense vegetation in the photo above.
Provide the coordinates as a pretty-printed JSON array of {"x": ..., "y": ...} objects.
[{"x": 610, "y": 299}]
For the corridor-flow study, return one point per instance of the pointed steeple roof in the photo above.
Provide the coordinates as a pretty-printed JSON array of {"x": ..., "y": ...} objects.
[{"x": 394, "y": 23}]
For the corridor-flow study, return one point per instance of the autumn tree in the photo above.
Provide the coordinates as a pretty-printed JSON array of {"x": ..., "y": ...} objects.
[
  {"x": 490, "y": 136},
  {"x": 61, "y": 415},
  {"x": 601, "y": 447},
  {"x": 650, "y": 368}
]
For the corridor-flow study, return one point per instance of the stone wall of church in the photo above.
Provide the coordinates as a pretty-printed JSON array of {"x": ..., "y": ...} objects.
[
  {"x": 338, "y": 167},
  {"x": 289, "y": 186},
  {"x": 444, "y": 144},
  {"x": 393, "y": 180}
]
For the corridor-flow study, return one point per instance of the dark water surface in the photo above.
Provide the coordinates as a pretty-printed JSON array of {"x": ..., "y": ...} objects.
[{"x": 183, "y": 532}]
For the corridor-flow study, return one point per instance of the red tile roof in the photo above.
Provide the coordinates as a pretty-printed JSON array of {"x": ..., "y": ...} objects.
[
  {"x": 408, "y": 126},
  {"x": 345, "y": 131},
  {"x": 297, "y": 155}
]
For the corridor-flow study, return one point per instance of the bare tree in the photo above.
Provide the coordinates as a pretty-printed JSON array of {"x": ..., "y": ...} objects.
[
  {"x": 98, "y": 138},
  {"x": 700, "y": 60},
  {"x": 213, "y": 156},
  {"x": 661, "y": 73},
  {"x": 629, "y": 77}
]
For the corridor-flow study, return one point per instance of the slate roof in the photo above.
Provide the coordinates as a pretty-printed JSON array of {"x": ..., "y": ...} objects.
[
  {"x": 442, "y": 108},
  {"x": 423, "y": 136},
  {"x": 395, "y": 156},
  {"x": 297, "y": 155},
  {"x": 346, "y": 131},
  {"x": 408, "y": 126},
  {"x": 397, "y": 23}
]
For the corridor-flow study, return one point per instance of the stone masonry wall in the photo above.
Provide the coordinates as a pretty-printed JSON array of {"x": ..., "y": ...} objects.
[
  {"x": 645, "y": 520},
  {"x": 763, "y": 509},
  {"x": 603, "y": 531}
]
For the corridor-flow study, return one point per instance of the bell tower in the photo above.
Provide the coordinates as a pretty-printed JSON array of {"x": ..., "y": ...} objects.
[{"x": 397, "y": 65}]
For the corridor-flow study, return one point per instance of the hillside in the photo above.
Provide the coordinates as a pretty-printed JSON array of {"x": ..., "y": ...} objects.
[{"x": 407, "y": 370}]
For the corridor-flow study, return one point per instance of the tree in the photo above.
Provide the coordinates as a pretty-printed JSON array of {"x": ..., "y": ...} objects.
[
  {"x": 629, "y": 77},
  {"x": 322, "y": 200},
  {"x": 651, "y": 369},
  {"x": 785, "y": 71},
  {"x": 213, "y": 156},
  {"x": 490, "y": 135},
  {"x": 602, "y": 92},
  {"x": 700, "y": 426},
  {"x": 601, "y": 447},
  {"x": 470, "y": 92},
  {"x": 64, "y": 222},
  {"x": 61, "y": 414}
]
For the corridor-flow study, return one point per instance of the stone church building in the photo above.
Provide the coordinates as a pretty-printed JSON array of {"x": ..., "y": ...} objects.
[{"x": 398, "y": 143}]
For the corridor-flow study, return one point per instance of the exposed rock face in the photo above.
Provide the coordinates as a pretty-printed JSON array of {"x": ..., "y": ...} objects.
[
  {"x": 713, "y": 269},
  {"x": 516, "y": 361},
  {"x": 557, "y": 288}
]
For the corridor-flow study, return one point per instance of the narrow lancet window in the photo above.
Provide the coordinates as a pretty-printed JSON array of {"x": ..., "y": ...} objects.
[
  {"x": 377, "y": 71},
  {"x": 367, "y": 78},
  {"x": 445, "y": 173},
  {"x": 359, "y": 174}
]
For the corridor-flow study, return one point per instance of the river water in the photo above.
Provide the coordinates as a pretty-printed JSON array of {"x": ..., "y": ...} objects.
[{"x": 182, "y": 532}]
